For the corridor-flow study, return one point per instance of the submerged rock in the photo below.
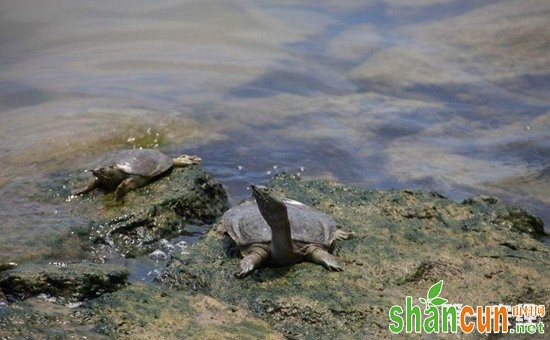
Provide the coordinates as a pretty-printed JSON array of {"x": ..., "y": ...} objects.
[
  {"x": 405, "y": 241},
  {"x": 163, "y": 209},
  {"x": 70, "y": 282}
]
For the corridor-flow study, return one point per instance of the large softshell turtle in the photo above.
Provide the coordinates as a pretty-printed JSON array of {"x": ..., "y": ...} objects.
[
  {"x": 131, "y": 169},
  {"x": 280, "y": 231}
]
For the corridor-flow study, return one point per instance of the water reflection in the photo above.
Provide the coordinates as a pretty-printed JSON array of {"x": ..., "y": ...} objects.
[{"x": 440, "y": 95}]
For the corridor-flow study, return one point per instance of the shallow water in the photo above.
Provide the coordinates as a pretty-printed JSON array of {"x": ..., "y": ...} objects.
[{"x": 442, "y": 95}]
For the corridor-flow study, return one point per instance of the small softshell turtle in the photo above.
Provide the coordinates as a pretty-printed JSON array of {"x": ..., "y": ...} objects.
[
  {"x": 131, "y": 169},
  {"x": 280, "y": 231}
]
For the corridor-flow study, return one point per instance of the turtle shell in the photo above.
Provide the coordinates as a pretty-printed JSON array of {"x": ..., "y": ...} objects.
[
  {"x": 245, "y": 224},
  {"x": 143, "y": 162}
]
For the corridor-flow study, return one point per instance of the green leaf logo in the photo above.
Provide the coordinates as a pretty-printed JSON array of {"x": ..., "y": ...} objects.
[
  {"x": 432, "y": 298},
  {"x": 435, "y": 290},
  {"x": 438, "y": 301}
]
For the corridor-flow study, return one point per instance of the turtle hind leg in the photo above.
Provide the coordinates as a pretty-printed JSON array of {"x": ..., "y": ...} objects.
[
  {"x": 319, "y": 255},
  {"x": 255, "y": 257},
  {"x": 343, "y": 235},
  {"x": 129, "y": 184}
]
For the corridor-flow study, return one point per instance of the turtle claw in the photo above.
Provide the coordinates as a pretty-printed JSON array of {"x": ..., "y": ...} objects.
[
  {"x": 333, "y": 267},
  {"x": 243, "y": 272},
  {"x": 248, "y": 264},
  {"x": 330, "y": 263}
]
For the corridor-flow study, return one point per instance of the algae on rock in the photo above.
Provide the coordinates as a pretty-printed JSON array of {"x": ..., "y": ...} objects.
[
  {"x": 137, "y": 311},
  {"x": 486, "y": 251},
  {"x": 405, "y": 241},
  {"x": 162, "y": 209},
  {"x": 70, "y": 282}
]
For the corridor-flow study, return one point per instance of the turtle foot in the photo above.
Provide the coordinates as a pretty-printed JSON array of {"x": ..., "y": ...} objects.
[
  {"x": 252, "y": 261},
  {"x": 332, "y": 266},
  {"x": 343, "y": 235},
  {"x": 324, "y": 258},
  {"x": 247, "y": 266}
]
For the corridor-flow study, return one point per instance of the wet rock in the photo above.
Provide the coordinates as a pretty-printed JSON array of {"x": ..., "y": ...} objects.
[
  {"x": 151, "y": 312},
  {"x": 502, "y": 215},
  {"x": 405, "y": 241},
  {"x": 136, "y": 311},
  {"x": 162, "y": 209},
  {"x": 70, "y": 282},
  {"x": 38, "y": 318},
  {"x": 3, "y": 300},
  {"x": 158, "y": 255},
  {"x": 7, "y": 265}
]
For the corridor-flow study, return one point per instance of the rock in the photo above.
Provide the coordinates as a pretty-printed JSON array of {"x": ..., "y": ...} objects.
[
  {"x": 486, "y": 252},
  {"x": 3, "y": 300},
  {"x": 150, "y": 312},
  {"x": 502, "y": 215},
  {"x": 136, "y": 311},
  {"x": 7, "y": 265},
  {"x": 405, "y": 241},
  {"x": 64, "y": 300},
  {"x": 70, "y": 282},
  {"x": 162, "y": 209}
]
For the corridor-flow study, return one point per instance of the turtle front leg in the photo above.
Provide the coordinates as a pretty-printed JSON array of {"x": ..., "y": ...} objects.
[
  {"x": 129, "y": 184},
  {"x": 91, "y": 186},
  {"x": 255, "y": 257},
  {"x": 320, "y": 256}
]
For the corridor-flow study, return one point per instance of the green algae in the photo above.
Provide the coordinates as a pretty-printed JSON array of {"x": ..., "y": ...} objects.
[
  {"x": 148, "y": 311},
  {"x": 136, "y": 311},
  {"x": 71, "y": 282}
]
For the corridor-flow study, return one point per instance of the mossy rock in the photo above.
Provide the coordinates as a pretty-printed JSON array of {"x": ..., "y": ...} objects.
[
  {"x": 486, "y": 251},
  {"x": 405, "y": 241},
  {"x": 137, "y": 311},
  {"x": 162, "y": 209},
  {"x": 69, "y": 282}
]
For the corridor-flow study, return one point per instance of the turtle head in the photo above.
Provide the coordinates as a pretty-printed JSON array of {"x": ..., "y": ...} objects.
[
  {"x": 184, "y": 160},
  {"x": 271, "y": 207},
  {"x": 109, "y": 176}
]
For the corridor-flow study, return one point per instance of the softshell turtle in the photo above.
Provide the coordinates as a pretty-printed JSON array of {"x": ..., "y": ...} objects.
[
  {"x": 131, "y": 169},
  {"x": 280, "y": 231}
]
